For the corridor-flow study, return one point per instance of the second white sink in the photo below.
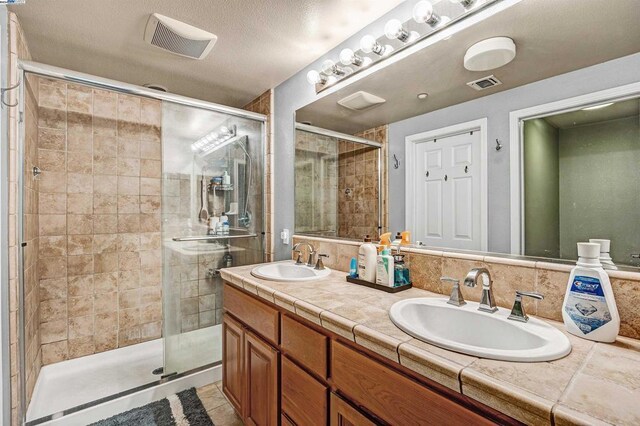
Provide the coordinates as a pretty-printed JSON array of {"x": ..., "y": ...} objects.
[
  {"x": 465, "y": 329},
  {"x": 288, "y": 271}
]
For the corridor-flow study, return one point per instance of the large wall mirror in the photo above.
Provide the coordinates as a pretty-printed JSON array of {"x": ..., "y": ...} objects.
[{"x": 544, "y": 152}]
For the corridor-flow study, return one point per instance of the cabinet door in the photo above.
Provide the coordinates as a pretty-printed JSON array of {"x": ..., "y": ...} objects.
[
  {"x": 261, "y": 371},
  {"x": 233, "y": 382},
  {"x": 343, "y": 414}
]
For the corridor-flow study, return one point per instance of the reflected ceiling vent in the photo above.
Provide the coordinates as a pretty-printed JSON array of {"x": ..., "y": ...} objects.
[
  {"x": 178, "y": 37},
  {"x": 484, "y": 83},
  {"x": 360, "y": 101}
]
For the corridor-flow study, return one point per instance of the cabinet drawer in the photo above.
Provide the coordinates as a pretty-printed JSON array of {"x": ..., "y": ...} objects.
[
  {"x": 305, "y": 345},
  {"x": 304, "y": 399},
  {"x": 257, "y": 315},
  {"x": 343, "y": 414},
  {"x": 391, "y": 396}
]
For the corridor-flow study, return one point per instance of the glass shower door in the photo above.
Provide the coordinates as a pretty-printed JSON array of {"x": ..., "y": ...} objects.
[{"x": 212, "y": 211}]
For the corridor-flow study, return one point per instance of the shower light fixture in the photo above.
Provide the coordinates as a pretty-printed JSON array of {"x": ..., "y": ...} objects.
[
  {"x": 394, "y": 29},
  {"x": 423, "y": 13},
  {"x": 214, "y": 140}
]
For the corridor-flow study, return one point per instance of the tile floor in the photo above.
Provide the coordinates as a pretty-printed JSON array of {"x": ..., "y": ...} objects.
[{"x": 217, "y": 406}]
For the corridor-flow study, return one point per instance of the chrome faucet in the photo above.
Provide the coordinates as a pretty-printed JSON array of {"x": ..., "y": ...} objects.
[
  {"x": 319, "y": 265},
  {"x": 312, "y": 252},
  {"x": 517, "y": 312},
  {"x": 487, "y": 303},
  {"x": 456, "y": 298}
]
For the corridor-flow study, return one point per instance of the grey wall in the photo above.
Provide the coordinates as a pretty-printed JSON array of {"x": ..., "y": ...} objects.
[
  {"x": 289, "y": 96},
  {"x": 496, "y": 109},
  {"x": 541, "y": 189},
  {"x": 599, "y": 186}
]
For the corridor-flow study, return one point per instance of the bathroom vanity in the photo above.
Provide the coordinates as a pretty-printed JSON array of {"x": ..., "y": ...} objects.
[
  {"x": 326, "y": 352},
  {"x": 277, "y": 366}
]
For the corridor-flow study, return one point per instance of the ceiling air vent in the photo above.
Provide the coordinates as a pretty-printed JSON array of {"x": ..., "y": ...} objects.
[
  {"x": 178, "y": 37},
  {"x": 484, "y": 83},
  {"x": 360, "y": 101}
]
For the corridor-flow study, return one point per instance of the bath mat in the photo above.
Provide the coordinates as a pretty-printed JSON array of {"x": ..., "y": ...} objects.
[{"x": 181, "y": 409}]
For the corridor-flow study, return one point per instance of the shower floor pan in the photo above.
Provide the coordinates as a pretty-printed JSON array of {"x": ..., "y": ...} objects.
[{"x": 90, "y": 388}]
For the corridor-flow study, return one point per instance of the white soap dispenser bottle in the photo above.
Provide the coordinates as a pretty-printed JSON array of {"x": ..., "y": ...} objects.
[
  {"x": 367, "y": 261},
  {"x": 589, "y": 309}
]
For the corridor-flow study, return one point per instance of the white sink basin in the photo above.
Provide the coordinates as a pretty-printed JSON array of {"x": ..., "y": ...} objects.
[
  {"x": 465, "y": 329},
  {"x": 288, "y": 272}
]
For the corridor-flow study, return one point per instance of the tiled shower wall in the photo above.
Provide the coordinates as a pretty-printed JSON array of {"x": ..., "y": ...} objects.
[
  {"x": 18, "y": 49},
  {"x": 99, "y": 219},
  {"x": 316, "y": 187},
  {"x": 33, "y": 353},
  {"x": 358, "y": 171},
  {"x": 263, "y": 104}
]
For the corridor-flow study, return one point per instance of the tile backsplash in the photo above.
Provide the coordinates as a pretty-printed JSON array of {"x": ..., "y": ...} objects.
[{"x": 508, "y": 274}]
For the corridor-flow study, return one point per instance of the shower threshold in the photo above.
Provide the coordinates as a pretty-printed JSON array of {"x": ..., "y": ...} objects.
[{"x": 90, "y": 388}]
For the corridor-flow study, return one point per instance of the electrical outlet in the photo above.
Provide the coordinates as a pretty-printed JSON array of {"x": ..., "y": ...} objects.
[{"x": 284, "y": 236}]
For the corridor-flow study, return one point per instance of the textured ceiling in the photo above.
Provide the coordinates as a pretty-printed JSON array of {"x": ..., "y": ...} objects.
[
  {"x": 260, "y": 43},
  {"x": 622, "y": 109},
  {"x": 552, "y": 37}
]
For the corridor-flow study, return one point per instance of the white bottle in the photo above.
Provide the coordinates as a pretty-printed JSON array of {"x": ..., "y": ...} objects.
[
  {"x": 385, "y": 268},
  {"x": 605, "y": 249},
  {"x": 226, "y": 179},
  {"x": 589, "y": 309},
  {"x": 367, "y": 261}
]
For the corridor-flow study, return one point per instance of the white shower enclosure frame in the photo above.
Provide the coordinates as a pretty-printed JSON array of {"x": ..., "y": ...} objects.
[{"x": 49, "y": 71}]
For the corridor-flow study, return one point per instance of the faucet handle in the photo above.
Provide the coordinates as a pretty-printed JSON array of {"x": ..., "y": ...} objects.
[
  {"x": 319, "y": 265},
  {"x": 517, "y": 312},
  {"x": 456, "y": 298},
  {"x": 299, "y": 257}
]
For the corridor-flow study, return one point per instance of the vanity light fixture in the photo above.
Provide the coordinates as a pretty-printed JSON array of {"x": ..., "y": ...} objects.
[
  {"x": 314, "y": 77},
  {"x": 214, "y": 140},
  {"x": 369, "y": 44},
  {"x": 423, "y": 13},
  {"x": 375, "y": 49},
  {"x": 394, "y": 30},
  {"x": 467, "y": 4},
  {"x": 349, "y": 57},
  {"x": 591, "y": 108},
  {"x": 330, "y": 68}
]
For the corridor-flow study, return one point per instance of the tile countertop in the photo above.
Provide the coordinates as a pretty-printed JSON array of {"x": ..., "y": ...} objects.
[{"x": 597, "y": 383}]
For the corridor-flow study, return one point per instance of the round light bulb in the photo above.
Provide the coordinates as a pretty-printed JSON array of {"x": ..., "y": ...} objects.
[
  {"x": 366, "y": 61},
  {"x": 422, "y": 11},
  {"x": 367, "y": 43},
  {"x": 327, "y": 66},
  {"x": 313, "y": 77},
  {"x": 346, "y": 56},
  {"x": 413, "y": 36},
  {"x": 387, "y": 50},
  {"x": 393, "y": 29}
]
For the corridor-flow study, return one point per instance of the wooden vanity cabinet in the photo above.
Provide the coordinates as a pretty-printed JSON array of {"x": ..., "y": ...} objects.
[{"x": 279, "y": 368}]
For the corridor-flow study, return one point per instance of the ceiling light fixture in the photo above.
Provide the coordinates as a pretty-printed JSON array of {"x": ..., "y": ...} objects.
[
  {"x": 423, "y": 13},
  {"x": 591, "y": 108},
  {"x": 214, "y": 140},
  {"x": 490, "y": 54},
  {"x": 422, "y": 95}
]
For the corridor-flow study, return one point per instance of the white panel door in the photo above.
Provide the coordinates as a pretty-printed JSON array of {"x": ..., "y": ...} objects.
[{"x": 447, "y": 205}]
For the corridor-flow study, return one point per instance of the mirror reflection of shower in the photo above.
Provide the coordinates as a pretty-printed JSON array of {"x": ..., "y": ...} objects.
[{"x": 234, "y": 170}]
